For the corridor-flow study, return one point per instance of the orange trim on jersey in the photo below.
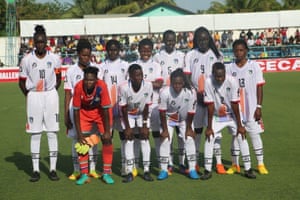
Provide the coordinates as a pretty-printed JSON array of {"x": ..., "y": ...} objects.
[
  {"x": 260, "y": 84},
  {"x": 22, "y": 78},
  {"x": 210, "y": 102},
  {"x": 242, "y": 100},
  {"x": 168, "y": 82},
  {"x": 191, "y": 113},
  {"x": 40, "y": 85},
  {"x": 113, "y": 93},
  {"x": 57, "y": 70},
  {"x": 201, "y": 81}
]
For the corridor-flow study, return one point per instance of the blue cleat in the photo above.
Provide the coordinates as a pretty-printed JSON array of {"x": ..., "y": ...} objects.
[
  {"x": 108, "y": 179},
  {"x": 162, "y": 175},
  {"x": 193, "y": 174},
  {"x": 84, "y": 178}
]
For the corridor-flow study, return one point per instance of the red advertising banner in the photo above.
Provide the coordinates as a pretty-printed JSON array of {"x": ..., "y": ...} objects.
[
  {"x": 268, "y": 65},
  {"x": 279, "y": 64}
]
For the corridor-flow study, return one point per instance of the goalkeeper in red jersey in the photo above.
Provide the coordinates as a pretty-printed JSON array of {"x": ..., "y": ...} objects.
[{"x": 91, "y": 103}]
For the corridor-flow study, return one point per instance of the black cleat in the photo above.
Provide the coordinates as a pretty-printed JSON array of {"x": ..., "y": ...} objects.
[
  {"x": 35, "y": 177},
  {"x": 147, "y": 176},
  {"x": 207, "y": 175},
  {"x": 53, "y": 176},
  {"x": 128, "y": 178},
  {"x": 249, "y": 174}
]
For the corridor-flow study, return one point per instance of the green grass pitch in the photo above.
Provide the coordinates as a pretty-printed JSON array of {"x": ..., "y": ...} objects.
[{"x": 282, "y": 157}]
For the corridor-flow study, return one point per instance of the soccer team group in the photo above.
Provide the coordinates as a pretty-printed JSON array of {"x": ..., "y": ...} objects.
[{"x": 170, "y": 93}]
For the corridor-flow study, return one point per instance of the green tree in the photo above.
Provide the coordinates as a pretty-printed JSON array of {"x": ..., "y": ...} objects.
[
  {"x": 90, "y": 7},
  {"x": 291, "y": 4},
  {"x": 2, "y": 16},
  {"x": 233, "y": 6}
]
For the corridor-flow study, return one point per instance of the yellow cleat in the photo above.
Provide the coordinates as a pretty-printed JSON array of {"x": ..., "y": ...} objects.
[
  {"x": 234, "y": 169},
  {"x": 74, "y": 176},
  {"x": 135, "y": 172},
  {"x": 94, "y": 174},
  {"x": 262, "y": 169}
]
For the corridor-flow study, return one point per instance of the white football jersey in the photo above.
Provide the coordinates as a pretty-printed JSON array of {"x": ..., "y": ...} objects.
[
  {"x": 152, "y": 72},
  {"x": 249, "y": 77},
  {"x": 222, "y": 95},
  {"x": 177, "y": 106},
  {"x": 135, "y": 101},
  {"x": 73, "y": 75},
  {"x": 199, "y": 66},
  {"x": 169, "y": 63},
  {"x": 114, "y": 73},
  {"x": 40, "y": 73}
]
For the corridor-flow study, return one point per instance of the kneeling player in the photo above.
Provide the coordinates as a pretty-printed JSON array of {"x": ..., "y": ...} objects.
[
  {"x": 135, "y": 98},
  {"x": 91, "y": 102}
]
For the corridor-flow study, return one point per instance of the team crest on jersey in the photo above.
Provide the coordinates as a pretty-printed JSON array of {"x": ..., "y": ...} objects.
[
  {"x": 150, "y": 70},
  {"x": 106, "y": 71},
  {"x": 146, "y": 94},
  {"x": 250, "y": 71},
  {"x": 30, "y": 120},
  {"x": 228, "y": 89},
  {"x": 123, "y": 70},
  {"x": 196, "y": 60},
  {"x": 49, "y": 64},
  {"x": 233, "y": 74},
  {"x": 211, "y": 58},
  {"x": 162, "y": 62},
  {"x": 78, "y": 77},
  {"x": 34, "y": 65}
]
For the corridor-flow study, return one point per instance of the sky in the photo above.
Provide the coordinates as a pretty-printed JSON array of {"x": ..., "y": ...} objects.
[{"x": 191, "y": 5}]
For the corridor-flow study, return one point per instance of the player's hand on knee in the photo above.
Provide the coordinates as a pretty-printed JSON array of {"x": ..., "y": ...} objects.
[
  {"x": 106, "y": 139},
  {"x": 208, "y": 133},
  {"x": 241, "y": 130},
  {"x": 144, "y": 133},
  {"x": 128, "y": 133},
  {"x": 164, "y": 135},
  {"x": 190, "y": 132}
]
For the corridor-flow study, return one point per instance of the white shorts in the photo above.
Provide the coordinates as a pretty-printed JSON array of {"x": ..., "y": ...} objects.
[
  {"x": 134, "y": 121},
  {"x": 254, "y": 127},
  {"x": 218, "y": 126},
  {"x": 42, "y": 111},
  {"x": 200, "y": 117}
]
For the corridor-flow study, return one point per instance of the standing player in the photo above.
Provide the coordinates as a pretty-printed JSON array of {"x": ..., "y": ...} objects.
[
  {"x": 153, "y": 73},
  {"x": 74, "y": 74},
  {"x": 177, "y": 108},
  {"x": 169, "y": 59},
  {"x": 40, "y": 77},
  {"x": 135, "y": 98},
  {"x": 251, "y": 82},
  {"x": 222, "y": 99},
  {"x": 90, "y": 103},
  {"x": 198, "y": 65},
  {"x": 115, "y": 72}
]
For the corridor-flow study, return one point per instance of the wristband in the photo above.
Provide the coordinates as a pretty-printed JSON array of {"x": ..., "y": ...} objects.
[{"x": 258, "y": 106}]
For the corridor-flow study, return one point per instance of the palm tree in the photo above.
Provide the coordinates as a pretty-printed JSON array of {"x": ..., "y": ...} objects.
[
  {"x": 291, "y": 4},
  {"x": 81, "y": 8},
  {"x": 233, "y": 6}
]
